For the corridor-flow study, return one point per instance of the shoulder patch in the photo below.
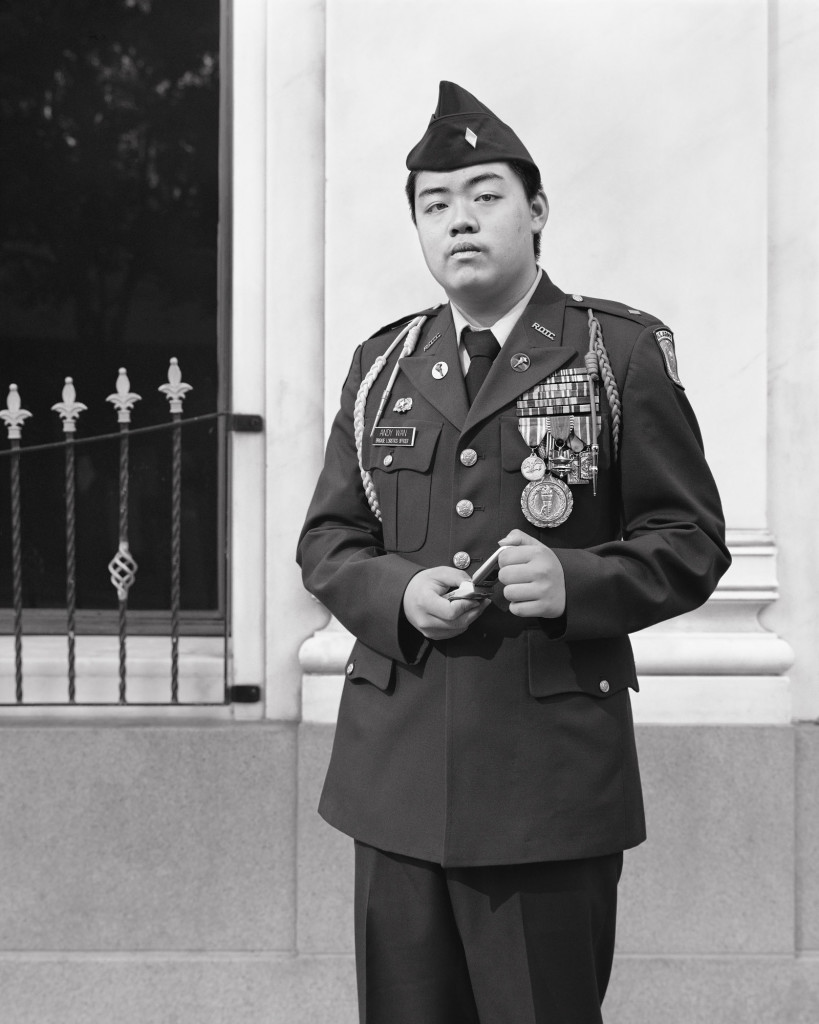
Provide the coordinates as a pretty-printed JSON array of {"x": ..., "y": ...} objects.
[
  {"x": 613, "y": 308},
  {"x": 405, "y": 320},
  {"x": 665, "y": 341}
]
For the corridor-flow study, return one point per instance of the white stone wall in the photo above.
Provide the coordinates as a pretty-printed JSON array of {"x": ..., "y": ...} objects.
[{"x": 662, "y": 130}]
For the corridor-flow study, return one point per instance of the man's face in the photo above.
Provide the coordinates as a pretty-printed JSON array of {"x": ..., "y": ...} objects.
[{"x": 476, "y": 229}]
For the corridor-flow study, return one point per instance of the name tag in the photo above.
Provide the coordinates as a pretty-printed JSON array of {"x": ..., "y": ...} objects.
[{"x": 400, "y": 437}]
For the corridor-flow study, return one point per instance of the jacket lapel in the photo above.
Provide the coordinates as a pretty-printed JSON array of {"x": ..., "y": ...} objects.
[
  {"x": 448, "y": 393},
  {"x": 537, "y": 336}
]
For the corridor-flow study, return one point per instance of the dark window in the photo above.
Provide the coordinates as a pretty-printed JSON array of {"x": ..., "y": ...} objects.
[{"x": 109, "y": 214}]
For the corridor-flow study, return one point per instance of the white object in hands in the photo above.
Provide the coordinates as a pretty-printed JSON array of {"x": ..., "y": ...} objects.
[{"x": 472, "y": 589}]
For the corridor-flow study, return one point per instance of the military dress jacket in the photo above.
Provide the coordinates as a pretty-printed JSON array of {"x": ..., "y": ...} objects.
[{"x": 514, "y": 741}]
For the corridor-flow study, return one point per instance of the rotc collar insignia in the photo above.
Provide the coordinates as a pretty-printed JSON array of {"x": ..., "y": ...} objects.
[
  {"x": 665, "y": 339},
  {"x": 402, "y": 405},
  {"x": 440, "y": 370},
  {"x": 544, "y": 330},
  {"x": 559, "y": 419}
]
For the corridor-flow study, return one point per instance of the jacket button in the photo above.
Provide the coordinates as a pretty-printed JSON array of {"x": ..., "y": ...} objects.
[
  {"x": 351, "y": 668},
  {"x": 464, "y": 508},
  {"x": 461, "y": 559},
  {"x": 469, "y": 457},
  {"x": 604, "y": 686},
  {"x": 388, "y": 460}
]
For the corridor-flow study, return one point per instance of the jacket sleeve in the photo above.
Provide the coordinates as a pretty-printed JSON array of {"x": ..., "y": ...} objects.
[
  {"x": 672, "y": 552},
  {"x": 341, "y": 550}
]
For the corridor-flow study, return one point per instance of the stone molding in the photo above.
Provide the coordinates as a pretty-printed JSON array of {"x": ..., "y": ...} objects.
[{"x": 726, "y": 666}]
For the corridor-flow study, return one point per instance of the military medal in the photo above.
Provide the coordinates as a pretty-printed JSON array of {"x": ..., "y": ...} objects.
[
  {"x": 546, "y": 502},
  {"x": 532, "y": 430},
  {"x": 533, "y": 467},
  {"x": 558, "y": 419}
]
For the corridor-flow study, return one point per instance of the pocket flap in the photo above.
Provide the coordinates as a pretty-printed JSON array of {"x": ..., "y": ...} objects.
[
  {"x": 365, "y": 665},
  {"x": 417, "y": 456},
  {"x": 598, "y": 668}
]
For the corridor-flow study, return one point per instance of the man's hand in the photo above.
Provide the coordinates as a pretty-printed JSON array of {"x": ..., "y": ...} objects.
[
  {"x": 433, "y": 615},
  {"x": 532, "y": 577}
]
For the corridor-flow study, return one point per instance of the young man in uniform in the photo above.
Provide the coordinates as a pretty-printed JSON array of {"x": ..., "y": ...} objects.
[{"x": 484, "y": 758}]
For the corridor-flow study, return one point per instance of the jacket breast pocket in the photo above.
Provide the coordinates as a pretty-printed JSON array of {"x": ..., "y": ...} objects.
[
  {"x": 402, "y": 476},
  {"x": 598, "y": 668}
]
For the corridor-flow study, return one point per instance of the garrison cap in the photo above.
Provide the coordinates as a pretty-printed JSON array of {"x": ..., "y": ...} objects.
[{"x": 463, "y": 132}]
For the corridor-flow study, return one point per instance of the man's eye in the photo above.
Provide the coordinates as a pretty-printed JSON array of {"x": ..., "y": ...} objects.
[
  {"x": 435, "y": 207},
  {"x": 486, "y": 197}
]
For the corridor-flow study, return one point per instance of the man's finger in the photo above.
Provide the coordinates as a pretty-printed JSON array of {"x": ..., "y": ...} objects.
[
  {"x": 516, "y": 538},
  {"x": 518, "y": 592},
  {"x": 511, "y": 555}
]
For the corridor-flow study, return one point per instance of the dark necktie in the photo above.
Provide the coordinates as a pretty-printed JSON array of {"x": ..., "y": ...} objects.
[{"x": 482, "y": 348}]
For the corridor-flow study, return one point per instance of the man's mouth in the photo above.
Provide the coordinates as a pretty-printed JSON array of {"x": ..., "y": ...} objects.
[{"x": 463, "y": 247}]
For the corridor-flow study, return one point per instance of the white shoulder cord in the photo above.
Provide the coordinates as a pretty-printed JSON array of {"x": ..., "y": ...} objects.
[
  {"x": 598, "y": 365},
  {"x": 411, "y": 333}
]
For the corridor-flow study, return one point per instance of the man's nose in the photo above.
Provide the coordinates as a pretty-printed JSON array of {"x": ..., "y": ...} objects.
[{"x": 463, "y": 219}]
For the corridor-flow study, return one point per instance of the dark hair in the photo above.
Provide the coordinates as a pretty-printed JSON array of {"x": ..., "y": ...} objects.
[{"x": 529, "y": 177}]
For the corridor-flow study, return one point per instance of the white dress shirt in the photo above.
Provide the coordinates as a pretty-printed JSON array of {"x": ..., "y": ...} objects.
[{"x": 501, "y": 328}]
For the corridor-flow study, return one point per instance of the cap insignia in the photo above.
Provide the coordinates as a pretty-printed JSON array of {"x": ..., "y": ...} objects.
[{"x": 471, "y": 137}]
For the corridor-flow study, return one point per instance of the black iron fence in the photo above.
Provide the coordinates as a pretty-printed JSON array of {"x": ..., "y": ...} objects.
[{"x": 123, "y": 567}]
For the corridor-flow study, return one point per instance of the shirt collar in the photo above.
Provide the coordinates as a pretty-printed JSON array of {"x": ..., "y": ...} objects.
[{"x": 501, "y": 328}]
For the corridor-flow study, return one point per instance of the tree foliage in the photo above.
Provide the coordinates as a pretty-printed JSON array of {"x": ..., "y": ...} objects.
[{"x": 108, "y": 114}]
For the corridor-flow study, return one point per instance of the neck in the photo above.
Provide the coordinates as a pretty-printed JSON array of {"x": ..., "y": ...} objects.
[{"x": 482, "y": 310}]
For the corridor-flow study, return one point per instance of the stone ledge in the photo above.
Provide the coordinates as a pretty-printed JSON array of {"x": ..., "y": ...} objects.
[{"x": 321, "y": 990}]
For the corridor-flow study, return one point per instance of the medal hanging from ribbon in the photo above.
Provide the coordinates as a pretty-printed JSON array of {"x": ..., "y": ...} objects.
[{"x": 559, "y": 420}]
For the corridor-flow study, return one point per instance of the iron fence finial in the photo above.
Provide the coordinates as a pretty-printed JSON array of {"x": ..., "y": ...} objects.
[
  {"x": 175, "y": 390},
  {"x": 69, "y": 409},
  {"x": 14, "y": 416},
  {"x": 124, "y": 399}
]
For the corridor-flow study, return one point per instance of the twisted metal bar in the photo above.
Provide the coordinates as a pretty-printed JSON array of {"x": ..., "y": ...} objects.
[
  {"x": 176, "y": 548},
  {"x": 69, "y": 410},
  {"x": 14, "y": 416},
  {"x": 123, "y": 542},
  {"x": 122, "y": 566},
  {"x": 17, "y": 569},
  {"x": 70, "y": 566},
  {"x": 175, "y": 391}
]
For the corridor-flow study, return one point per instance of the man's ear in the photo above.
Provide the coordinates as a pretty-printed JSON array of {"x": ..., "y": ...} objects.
[{"x": 539, "y": 209}]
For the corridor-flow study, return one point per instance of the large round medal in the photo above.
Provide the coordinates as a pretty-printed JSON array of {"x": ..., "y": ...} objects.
[{"x": 546, "y": 502}]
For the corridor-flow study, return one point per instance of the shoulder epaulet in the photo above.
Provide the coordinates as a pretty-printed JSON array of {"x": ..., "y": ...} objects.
[
  {"x": 613, "y": 308},
  {"x": 405, "y": 320}
]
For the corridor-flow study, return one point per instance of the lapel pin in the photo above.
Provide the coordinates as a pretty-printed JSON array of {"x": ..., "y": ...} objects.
[
  {"x": 431, "y": 342},
  {"x": 402, "y": 405},
  {"x": 520, "y": 362},
  {"x": 440, "y": 370}
]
